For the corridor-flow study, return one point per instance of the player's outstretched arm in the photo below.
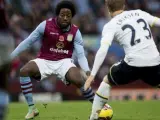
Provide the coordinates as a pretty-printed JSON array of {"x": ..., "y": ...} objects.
[
  {"x": 106, "y": 40},
  {"x": 100, "y": 56},
  {"x": 27, "y": 43},
  {"x": 82, "y": 60}
]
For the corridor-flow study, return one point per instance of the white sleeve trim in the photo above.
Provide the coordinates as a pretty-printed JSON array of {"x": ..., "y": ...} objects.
[{"x": 156, "y": 22}]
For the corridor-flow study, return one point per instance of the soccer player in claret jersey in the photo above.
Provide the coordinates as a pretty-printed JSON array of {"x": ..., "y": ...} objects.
[
  {"x": 5, "y": 50},
  {"x": 60, "y": 38},
  {"x": 142, "y": 59}
]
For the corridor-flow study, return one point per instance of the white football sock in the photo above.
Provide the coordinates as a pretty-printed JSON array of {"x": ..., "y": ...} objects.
[{"x": 100, "y": 99}]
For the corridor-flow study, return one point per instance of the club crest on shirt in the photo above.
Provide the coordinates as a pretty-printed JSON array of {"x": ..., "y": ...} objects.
[
  {"x": 70, "y": 37},
  {"x": 60, "y": 45},
  {"x": 61, "y": 38}
]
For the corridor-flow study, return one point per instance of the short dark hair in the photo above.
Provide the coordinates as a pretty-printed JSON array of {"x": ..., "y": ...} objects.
[
  {"x": 114, "y": 5},
  {"x": 65, "y": 4}
]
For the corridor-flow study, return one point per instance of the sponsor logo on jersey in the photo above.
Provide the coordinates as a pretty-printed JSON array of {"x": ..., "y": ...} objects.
[
  {"x": 59, "y": 51},
  {"x": 52, "y": 33},
  {"x": 70, "y": 37}
]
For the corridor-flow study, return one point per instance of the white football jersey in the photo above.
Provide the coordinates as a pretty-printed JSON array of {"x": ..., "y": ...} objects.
[{"x": 132, "y": 30}]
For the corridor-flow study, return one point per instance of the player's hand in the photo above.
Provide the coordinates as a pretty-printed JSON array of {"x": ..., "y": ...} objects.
[{"x": 88, "y": 82}]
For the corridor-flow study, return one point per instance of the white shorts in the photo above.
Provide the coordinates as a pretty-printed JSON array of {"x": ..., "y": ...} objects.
[{"x": 58, "y": 68}]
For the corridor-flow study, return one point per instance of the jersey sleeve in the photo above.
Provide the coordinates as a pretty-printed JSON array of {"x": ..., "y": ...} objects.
[
  {"x": 79, "y": 52},
  {"x": 152, "y": 20},
  {"x": 32, "y": 38},
  {"x": 108, "y": 34}
]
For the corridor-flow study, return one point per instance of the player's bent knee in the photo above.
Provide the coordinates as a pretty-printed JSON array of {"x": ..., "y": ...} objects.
[
  {"x": 74, "y": 76},
  {"x": 105, "y": 79},
  {"x": 22, "y": 72},
  {"x": 29, "y": 69},
  {"x": 78, "y": 81}
]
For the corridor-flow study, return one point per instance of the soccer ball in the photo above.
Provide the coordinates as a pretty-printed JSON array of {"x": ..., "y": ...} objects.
[{"x": 106, "y": 113}]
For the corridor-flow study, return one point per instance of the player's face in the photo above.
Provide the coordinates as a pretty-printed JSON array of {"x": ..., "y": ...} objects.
[{"x": 64, "y": 17}]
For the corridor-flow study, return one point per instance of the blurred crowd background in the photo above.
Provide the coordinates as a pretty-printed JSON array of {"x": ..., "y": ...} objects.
[{"x": 25, "y": 15}]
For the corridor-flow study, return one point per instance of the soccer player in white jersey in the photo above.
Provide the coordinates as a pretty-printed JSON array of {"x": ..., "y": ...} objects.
[{"x": 142, "y": 59}]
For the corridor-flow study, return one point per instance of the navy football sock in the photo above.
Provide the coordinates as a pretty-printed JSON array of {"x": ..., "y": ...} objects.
[{"x": 88, "y": 94}]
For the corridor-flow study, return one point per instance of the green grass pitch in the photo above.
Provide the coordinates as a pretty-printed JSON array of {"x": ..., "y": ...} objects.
[{"x": 132, "y": 110}]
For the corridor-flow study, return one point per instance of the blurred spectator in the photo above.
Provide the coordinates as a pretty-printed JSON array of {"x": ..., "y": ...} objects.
[
  {"x": 153, "y": 5},
  {"x": 18, "y": 32}
]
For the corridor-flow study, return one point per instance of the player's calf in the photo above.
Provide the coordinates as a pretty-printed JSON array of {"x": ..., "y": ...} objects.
[
  {"x": 26, "y": 86},
  {"x": 26, "y": 72},
  {"x": 103, "y": 92},
  {"x": 101, "y": 98},
  {"x": 75, "y": 77}
]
